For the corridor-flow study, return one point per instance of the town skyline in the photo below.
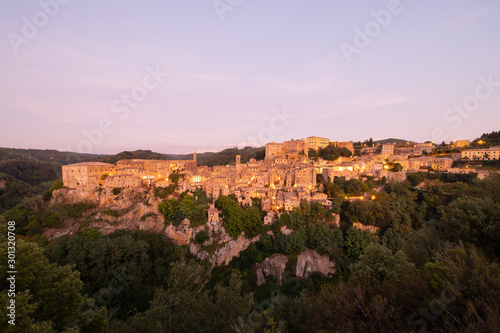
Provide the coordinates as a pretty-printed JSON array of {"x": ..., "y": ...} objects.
[
  {"x": 179, "y": 77},
  {"x": 218, "y": 149}
]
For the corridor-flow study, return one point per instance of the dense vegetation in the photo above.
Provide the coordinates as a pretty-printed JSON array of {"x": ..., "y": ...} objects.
[
  {"x": 228, "y": 156},
  {"x": 192, "y": 207},
  {"x": 490, "y": 139},
  {"x": 330, "y": 153},
  {"x": 431, "y": 266}
]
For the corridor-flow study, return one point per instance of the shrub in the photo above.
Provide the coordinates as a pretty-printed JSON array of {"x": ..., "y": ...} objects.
[
  {"x": 111, "y": 213},
  {"x": 145, "y": 216},
  {"x": 117, "y": 190},
  {"x": 76, "y": 210},
  {"x": 164, "y": 192},
  {"x": 51, "y": 219},
  {"x": 201, "y": 237}
]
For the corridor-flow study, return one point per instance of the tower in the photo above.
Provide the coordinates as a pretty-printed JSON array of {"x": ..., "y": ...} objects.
[{"x": 238, "y": 159}]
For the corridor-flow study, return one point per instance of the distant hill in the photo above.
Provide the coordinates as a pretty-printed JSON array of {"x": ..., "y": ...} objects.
[
  {"x": 45, "y": 155},
  {"x": 398, "y": 142},
  {"x": 228, "y": 156}
]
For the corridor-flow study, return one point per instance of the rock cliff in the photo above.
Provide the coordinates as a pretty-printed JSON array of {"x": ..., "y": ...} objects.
[
  {"x": 138, "y": 210},
  {"x": 311, "y": 261},
  {"x": 308, "y": 262}
]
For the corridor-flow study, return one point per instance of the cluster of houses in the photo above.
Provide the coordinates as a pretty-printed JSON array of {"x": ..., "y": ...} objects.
[{"x": 279, "y": 182}]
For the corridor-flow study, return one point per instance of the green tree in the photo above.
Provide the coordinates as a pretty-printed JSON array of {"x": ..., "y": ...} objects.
[
  {"x": 170, "y": 210},
  {"x": 51, "y": 219},
  {"x": 355, "y": 241},
  {"x": 379, "y": 262},
  {"x": 186, "y": 306},
  {"x": 41, "y": 287},
  {"x": 473, "y": 220}
]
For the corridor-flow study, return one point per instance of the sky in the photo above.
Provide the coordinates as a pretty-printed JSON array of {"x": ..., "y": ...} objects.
[{"x": 177, "y": 76}]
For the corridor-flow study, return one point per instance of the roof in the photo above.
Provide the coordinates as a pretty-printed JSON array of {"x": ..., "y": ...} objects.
[{"x": 91, "y": 164}]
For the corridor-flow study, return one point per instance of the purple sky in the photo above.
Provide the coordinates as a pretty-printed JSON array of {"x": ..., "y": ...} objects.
[{"x": 418, "y": 75}]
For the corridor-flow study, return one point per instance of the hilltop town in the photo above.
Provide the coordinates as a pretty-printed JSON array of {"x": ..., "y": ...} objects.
[{"x": 288, "y": 174}]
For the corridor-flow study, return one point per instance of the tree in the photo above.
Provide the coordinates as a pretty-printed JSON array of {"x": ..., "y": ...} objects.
[
  {"x": 56, "y": 185},
  {"x": 379, "y": 262},
  {"x": 41, "y": 287},
  {"x": 474, "y": 220},
  {"x": 355, "y": 241},
  {"x": 201, "y": 237},
  {"x": 51, "y": 219},
  {"x": 186, "y": 306},
  {"x": 169, "y": 208},
  {"x": 397, "y": 167}
]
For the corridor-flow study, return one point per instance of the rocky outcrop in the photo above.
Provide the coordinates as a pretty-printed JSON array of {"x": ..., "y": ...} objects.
[
  {"x": 273, "y": 266},
  {"x": 220, "y": 248},
  {"x": 311, "y": 261},
  {"x": 181, "y": 234},
  {"x": 231, "y": 249},
  {"x": 136, "y": 209},
  {"x": 308, "y": 262}
]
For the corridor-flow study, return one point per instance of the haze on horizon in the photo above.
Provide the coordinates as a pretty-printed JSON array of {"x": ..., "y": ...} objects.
[{"x": 216, "y": 73}]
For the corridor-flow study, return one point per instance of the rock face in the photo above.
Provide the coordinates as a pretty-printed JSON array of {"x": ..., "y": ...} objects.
[
  {"x": 308, "y": 262},
  {"x": 181, "y": 234},
  {"x": 224, "y": 248},
  {"x": 273, "y": 266},
  {"x": 311, "y": 261},
  {"x": 138, "y": 210}
]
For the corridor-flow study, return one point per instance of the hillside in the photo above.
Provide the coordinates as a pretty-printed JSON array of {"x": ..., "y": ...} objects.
[{"x": 399, "y": 142}]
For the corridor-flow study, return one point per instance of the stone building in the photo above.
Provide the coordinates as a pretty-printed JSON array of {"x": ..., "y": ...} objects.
[{"x": 85, "y": 174}]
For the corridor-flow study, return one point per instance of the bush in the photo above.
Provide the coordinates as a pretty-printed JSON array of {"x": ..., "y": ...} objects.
[
  {"x": 111, "y": 213},
  {"x": 51, "y": 219},
  {"x": 201, "y": 237},
  {"x": 145, "y": 216},
  {"x": 56, "y": 185},
  {"x": 164, "y": 192},
  {"x": 117, "y": 190},
  {"x": 76, "y": 210}
]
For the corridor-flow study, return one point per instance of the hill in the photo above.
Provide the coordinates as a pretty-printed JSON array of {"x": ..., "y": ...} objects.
[
  {"x": 45, "y": 155},
  {"x": 398, "y": 142}
]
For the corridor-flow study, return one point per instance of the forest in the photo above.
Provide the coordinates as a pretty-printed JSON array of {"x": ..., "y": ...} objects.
[{"x": 431, "y": 266}]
